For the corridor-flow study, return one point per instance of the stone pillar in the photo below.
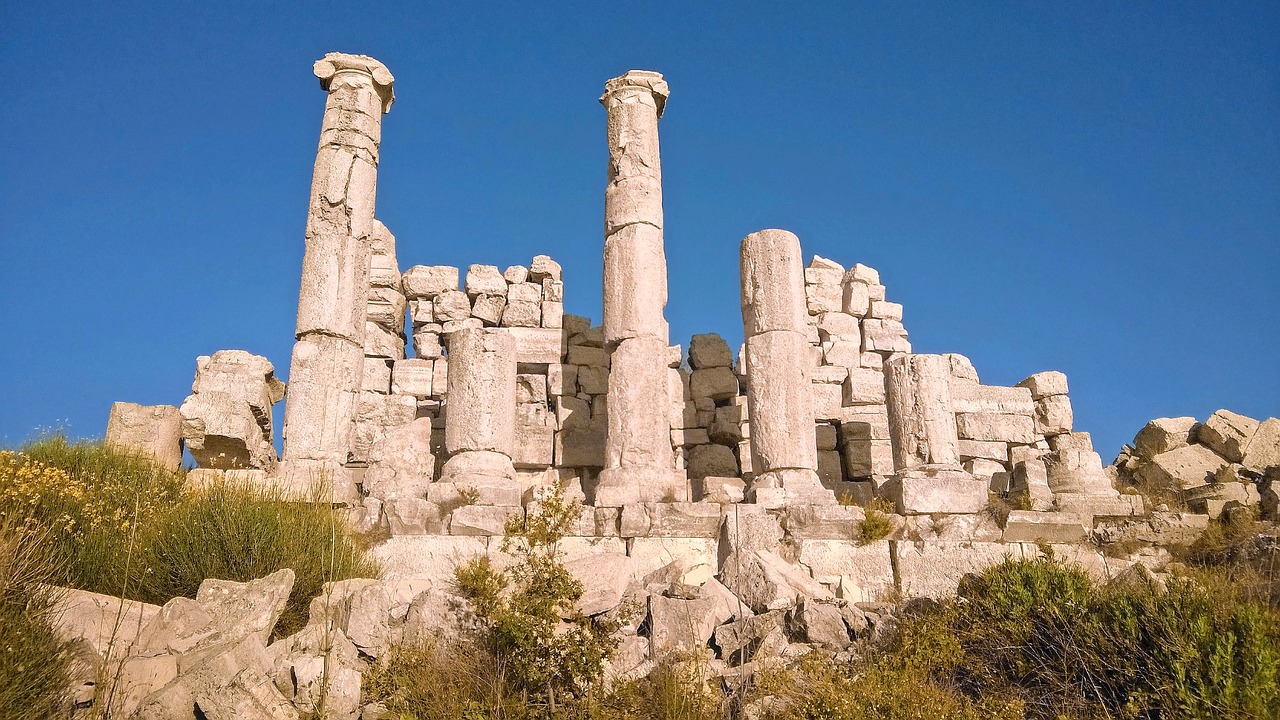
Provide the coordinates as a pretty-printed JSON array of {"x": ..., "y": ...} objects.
[
  {"x": 639, "y": 462},
  {"x": 779, "y": 401},
  {"x": 922, "y": 421},
  {"x": 325, "y": 369},
  {"x": 480, "y": 415}
]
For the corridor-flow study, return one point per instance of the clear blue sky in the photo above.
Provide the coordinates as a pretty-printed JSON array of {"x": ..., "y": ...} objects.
[{"x": 1089, "y": 187}]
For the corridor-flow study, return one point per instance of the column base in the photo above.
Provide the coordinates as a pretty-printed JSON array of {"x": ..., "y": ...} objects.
[
  {"x": 622, "y": 486},
  {"x": 775, "y": 488},
  {"x": 481, "y": 477}
]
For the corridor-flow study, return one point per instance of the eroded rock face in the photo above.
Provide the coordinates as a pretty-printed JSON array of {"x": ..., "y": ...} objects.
[{"x": 226, "y": 421}]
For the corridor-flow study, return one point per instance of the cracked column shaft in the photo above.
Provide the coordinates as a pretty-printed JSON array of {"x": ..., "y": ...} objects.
[
  {"x": 639, "y": 462},
  {"x": 325, "y": 369}
]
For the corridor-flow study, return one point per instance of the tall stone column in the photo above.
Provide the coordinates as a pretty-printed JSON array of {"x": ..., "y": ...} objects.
[
  {"x": 480, "y": 415},
  {"x": 639, "y": 463},
  {"x": 325, "y": 369},
  {"x": 784, "y": 445}
]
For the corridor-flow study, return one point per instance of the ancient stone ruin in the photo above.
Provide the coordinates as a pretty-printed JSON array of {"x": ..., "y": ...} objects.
[{"x": 748, "y": 472}]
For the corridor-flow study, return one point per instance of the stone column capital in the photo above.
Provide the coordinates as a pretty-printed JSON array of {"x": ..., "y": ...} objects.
[
  {"x": 634, "y": 82},
  {"x": 337, "y": 69}
]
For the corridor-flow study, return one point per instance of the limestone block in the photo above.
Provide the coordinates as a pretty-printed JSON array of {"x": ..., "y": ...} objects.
[
  {"x": 865, "y": 458},
  {"x": 1053, "y": 415},
  {"x": 411, "y": 376},
  {"x": 924, "y": 491},
  {"x": 1227, "y": 434},
  {"x": 452, "y": 305},
  {"x": 1263, "y": 450},
  {"x": 864, "y": 423},
  {"x": 377, "y": 414},
  {"x": 480, "y": 413},
  {"x": 685, "y": 625},
  {"x": 635, "y": 283},
  {"x": 649, "y": 554},
  {"x": 524, "y": 292},
  {"x": 522, "y": 314},
  {"x": 823, "y": 298},
  {"x": 712, "y": 460},
  {"x": 780, "y": 402},
  {"x": 481, "y": 520},
  {"x": 862, "y": 274},
  {"x": 812, "y": 522},
  {"x": 994, "y": 427},
  {"x": 535, "y": 437},
  {"x": 830, "y": 467},
  {"x": 866, "y": 570},
  {"x": 376, "y": 375},
  {"x": 1184, "y": 467},
  {"x": 1053, "y": 527},
  {"x": 593, "y": 379},
  {"x": 583, "y": 355},
  {"x": 386, "y": 307},
  {"x": 1030, "y": 479},
  {"x": 541, "y": 346},
  {"x": 439, "y": 377},
  {"x": 709, "y": 351},
  {"x": 489, "y": 309},
  {"x": 773, "y": 287},
  {"x": 429, "y": 557},
  {"x": 885, "y": 310},
  {"x": 972, "y": 397},
  {"x": 383, "y": 342},
  {"x": 544, "y": 268},
  {"x": 981, "y": 468},
  {"x": 105, "y": 623},
  {"x": 153, "y": 431},
  {"x": 828, "y": 436},
  {"x": 580, "y": 447},
  {"x": 986, "y": 450},
  {"x": 934, "y": 570},
  {"x": 605, "y": 578},
  {"x": 689, "y": 436},
  {"x": 717, "y": 383},
  {"x": 428, "y": 281},
  {"x": 727, "y": 426},
  {"x": 884, "y": 336},
  {"x": 838, "y": 326},
  {"x": 855, "y": 299},
  {"x": 325, "y": 373},
  {"x": 1044, "y": 384},
  {"x": 864, "y": 386},
  {"x": 680, "y": 519},
  {"x": 589, "y": 336},
  {"x": 1100, "y": 506},
  {"x": 552, "y": 313},
  {"x": 222, "y": 432},
  {"x": 842, "y": 353},
  {"x": 1077, "y": 471},
  {"x": 765, "y": 581},
  {"x": 562, "y": 380},
  {"x": 922, "y": 423},
  {"x": 422, "y": 312},
  {"x": 485, "y": 280},
  {"x": 427, "y": 346},
  {"x": 401, "y": 462},
  {"x": 824, "y": 270},
  {"x": 1162, "y": 435},
  {"x": 573, "y": 412}
]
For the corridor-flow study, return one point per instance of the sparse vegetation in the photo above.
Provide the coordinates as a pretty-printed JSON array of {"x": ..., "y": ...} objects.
[
  {"x": 34, "y": 663},
  {"x": 876, "y": 525},
  {"x": 127, "y": 527}
]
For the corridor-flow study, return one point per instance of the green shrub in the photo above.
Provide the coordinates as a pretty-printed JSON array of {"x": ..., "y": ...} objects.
[
  {"x": 552, "y": 654},
  {"x": 131, "y": 528},
  {"x": 34, "y": 663},
  {"x": 1040, "y": 631}
]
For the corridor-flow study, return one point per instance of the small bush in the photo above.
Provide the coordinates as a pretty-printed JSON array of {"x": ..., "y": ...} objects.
[
  {"x": 552, "y": 654},
  {"x": 876, "y": 525},
  {"x": 441, "y": 681},
  {"x": 677, "y": 689},
  {"x": 34, "y": 663}
]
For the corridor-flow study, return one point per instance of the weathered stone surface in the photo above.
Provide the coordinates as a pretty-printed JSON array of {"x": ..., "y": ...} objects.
[
  {"x": 778, "y": 398},
  {"x": 1027, "y": 526},
  {"x": 934, "y": 570},
  {"x": 544, "y": 268},
  {"x": 712, "y": 460},
  {"x": 1164, "y": 434},
  {"x": 938, "y": 490},
  {"x": 1045, "y": 384},
  {"x": 1263, "y": 451},
  {"x": 922, "y": 422},
  {"x": 538, "y": 345},
  {"x": 765, "y": 581},
  {"x": 717, "y": 383},
  {"x": 1227, "y": 434},
  {"x": 412, "y": 376},
  {"x": 1053, "y": 415},
  {"x": 840, "y": 522},
  {"x": 638, "y": 442},
  {"x": 1077, "y": 471},
  {"x": 973, "y": 397},
  {"x": 430, "y": 557},
  {"x": 996, "y": 427},
  {"x": 107, "y": 624},
  {"x": 223, "y": 682},
  {"x": 226, "y": 421},
  {"x": 376, "y": 415},
  {"x": 154, "y": 431},
  {"x": 684, "y": 625},
  {"x": 605, "y": 578},
  {"x": 691, "y": 555},
  {"x": 480, "y": 413},
  {"x": 401, "y": 462},
  {"x": 819, "y": 624},
  {"x": 773, "y": 287},
  {"x": 1184, "y": 467},
  {"x": 709, "y": 351},
  {"x": 1030, "y": 480},
  {"x": 324, "y": 381},
  {"x": 428, "y": 281},
  {"x": 739, "y": 639}
]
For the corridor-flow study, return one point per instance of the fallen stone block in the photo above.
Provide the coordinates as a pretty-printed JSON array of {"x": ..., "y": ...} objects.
[
  {"x": 154, "y": 431},
  {"x": 1162, "y": 435},
  {"x": 1227, "y": 434}
]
